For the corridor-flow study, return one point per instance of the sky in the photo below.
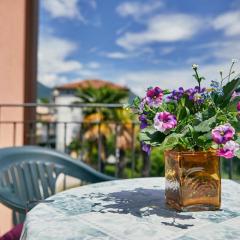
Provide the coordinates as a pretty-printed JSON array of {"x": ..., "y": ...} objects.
[{"x": 137, "y": 43}]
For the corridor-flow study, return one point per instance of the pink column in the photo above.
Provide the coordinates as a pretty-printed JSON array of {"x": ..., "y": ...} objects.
[{"x": 18, "y": 51}]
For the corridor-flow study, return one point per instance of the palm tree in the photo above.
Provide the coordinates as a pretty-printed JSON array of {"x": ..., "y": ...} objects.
[{"x": 100, "y": 121}]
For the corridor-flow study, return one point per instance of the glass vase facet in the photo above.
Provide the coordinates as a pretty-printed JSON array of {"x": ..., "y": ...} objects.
[{"x": 192, "y": 180}]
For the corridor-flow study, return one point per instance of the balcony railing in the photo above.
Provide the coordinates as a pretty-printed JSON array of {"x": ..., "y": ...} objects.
[{"x": 109, "y": 145}]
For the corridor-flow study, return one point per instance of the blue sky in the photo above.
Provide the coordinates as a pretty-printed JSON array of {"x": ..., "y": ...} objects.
[{"x": 137, "y": 43}]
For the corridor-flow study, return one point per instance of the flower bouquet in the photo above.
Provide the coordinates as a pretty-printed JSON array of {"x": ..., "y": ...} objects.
[{"x": 194, "y": 127}]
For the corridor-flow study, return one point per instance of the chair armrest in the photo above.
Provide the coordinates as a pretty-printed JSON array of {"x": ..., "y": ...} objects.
[{"x": 9, "y": 199}]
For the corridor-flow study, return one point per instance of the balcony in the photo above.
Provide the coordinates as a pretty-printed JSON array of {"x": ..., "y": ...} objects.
[{"x": 110, "y": 146}]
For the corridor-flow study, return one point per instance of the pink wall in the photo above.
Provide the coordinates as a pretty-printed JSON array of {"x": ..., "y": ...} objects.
[
  {"x": 12, "y": 38},
  {"x": 18, "y": 32}
]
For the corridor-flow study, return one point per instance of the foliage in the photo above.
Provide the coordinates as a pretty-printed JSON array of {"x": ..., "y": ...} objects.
[
  {"x": 105, "y": 95},
  {"x": 44, "y": 100},
  {"x": 194, "y": 119},
  {"x": 157, "y": 163},
  {"x": 101, "y": 125},
  {"x": 74, "y": 145}
]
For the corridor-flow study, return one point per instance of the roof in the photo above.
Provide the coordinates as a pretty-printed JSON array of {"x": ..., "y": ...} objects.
[{"x": 95, "y": 83}]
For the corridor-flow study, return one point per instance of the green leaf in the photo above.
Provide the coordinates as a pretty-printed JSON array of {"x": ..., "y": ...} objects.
[
  {"x": 166, "y": 91},
  {"x": 171, "y": 141},
  {"x": 233, "y": 104},
  {"x": 238, "y": 154},
  {"x": 236, "y": 125},
  {"x": 238, "y": 140},
  {"x": 136, "y": 101},
  {"x": 228, "y": 90},
  {"x": 208, "y": 113},
  {"x": 151, "y": 136},
  {"x": 214, "y": 146},
  {"x": 205, "y": 126},
  {"x": 204, "y": 141},
  {"x": 183, "y": 113}
]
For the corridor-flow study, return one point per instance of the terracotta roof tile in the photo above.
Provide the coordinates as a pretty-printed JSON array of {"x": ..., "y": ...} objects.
[{"x": 96, "y": 83}]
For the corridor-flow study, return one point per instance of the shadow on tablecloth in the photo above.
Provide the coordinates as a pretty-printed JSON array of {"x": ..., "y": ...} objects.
[{"x": 142, "y": 202}]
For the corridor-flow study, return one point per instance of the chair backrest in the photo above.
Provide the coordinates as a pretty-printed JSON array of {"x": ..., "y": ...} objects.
[{"x": 30, "y": 173}]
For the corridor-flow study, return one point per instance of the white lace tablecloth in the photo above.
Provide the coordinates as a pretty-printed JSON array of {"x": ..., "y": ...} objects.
[{"x": 127, "y": 210}]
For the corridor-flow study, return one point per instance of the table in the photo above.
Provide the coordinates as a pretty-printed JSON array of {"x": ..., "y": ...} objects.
[{"x": 130, "y": 209}]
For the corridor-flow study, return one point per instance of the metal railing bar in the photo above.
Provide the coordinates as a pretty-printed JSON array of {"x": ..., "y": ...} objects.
[
  {"x": 133, "y": 150},
  {"x": 78, "y": 105},
  {"x": 117, "y": 153},
  {"x": 81, "y": 127},
  {"x": 14, "y": 133},
  {"x": 70, "y": 122},
  {"x": 48, "y": 134},
  {"x": 230, "y": 168},
  {"x": 99, "y": 148},
  {"x": 0, "y": 121},
  {"x": 65, "y": 136}
]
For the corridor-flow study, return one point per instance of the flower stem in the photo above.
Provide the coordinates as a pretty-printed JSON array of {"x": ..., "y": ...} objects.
[
  {"x": 230, "y": 71},
  {"x": 221, "y": 74},
  {"x": 198, "y": 78}
]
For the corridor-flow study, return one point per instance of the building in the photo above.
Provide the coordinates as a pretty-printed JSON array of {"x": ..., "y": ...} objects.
[{"x": 68, "y": 119}]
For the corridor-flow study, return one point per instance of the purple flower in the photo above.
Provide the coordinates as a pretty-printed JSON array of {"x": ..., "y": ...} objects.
[
  {"x": 238, "y": 106},
  {"x": 176, "y": 94},
  {"x": 142, "y": 105},
  {"x": 228, "y": 150},
  {"x": 146, "y": 148},
  {"x": 196, "y": 94},
  {"x": 143, "y": 120},
  {"x": 223, "y": 133},
  {"x": 154, "y": 97},
  {"x": 164, "y": 121},
  {"x": 234, "y": 95}
]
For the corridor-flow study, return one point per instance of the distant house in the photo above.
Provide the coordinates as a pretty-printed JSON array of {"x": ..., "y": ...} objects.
[{"x": 68, "y": 118}]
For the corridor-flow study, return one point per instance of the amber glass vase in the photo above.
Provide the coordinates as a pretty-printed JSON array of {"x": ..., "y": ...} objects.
[{"x": 193, "y": 180}]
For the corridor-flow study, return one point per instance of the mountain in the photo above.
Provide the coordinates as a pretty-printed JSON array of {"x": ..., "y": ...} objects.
[{"x": 43, "y": 91}]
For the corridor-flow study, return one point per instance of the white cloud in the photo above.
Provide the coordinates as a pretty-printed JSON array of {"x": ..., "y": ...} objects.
[
  {"x": 162, "y": 28},
  {"x": 94, "y": 65},
  {"x": 228, "y": 22},
  {"x": 63, "y": 8},
  {"x": 167, "y": 50},
  {"x": 137, "y": 9},
  {"x": 140, "y": 80},
  {"x": 68, "y": 8},
  {"x": 54, "y": 60},
  {"x": 116, "y": 55},
  {"x": 172, "y": 78},
  {"x": 55, "y": 65},
  {"x": 221, "y": 50},
  {"x": 125, "y": 55}
]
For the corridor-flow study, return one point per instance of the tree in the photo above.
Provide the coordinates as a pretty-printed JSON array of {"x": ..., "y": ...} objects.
[{"x": 100, "y": 123}]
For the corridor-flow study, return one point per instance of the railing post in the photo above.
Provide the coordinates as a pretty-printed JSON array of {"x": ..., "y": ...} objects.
[
  {"x": 65, "y": 137},
  {"x": 48, "y": 134},
  {"x": 14, "y": 133},
  {"x": 146, "y": 164},
  {"x": 117, "y": 152},
  {"x": 81, "y": 140},
  {"x": 31, "y": 133},
  {"x": 230, "y": 168},
  {"x": 133, "y": 150},
  {"x": 100, "y": 165},
  {"x": 0, "y": 122}
]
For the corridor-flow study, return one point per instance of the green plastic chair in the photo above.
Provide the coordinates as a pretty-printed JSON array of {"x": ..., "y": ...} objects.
[{"x": 28, "y": 174}]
